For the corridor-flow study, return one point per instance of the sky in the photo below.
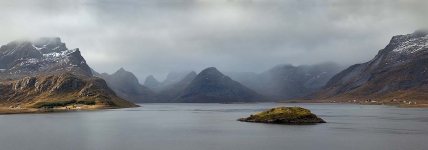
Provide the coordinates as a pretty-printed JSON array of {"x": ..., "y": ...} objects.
[{"x": 154, "y": 37}]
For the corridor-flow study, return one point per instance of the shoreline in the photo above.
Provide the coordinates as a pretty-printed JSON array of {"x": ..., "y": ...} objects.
[
  {"x": 394, "y": 104},
  {"x": 13, "y": 111}
]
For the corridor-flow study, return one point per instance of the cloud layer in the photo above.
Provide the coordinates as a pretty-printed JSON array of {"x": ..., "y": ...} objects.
[{"x": 157, "y": 36}]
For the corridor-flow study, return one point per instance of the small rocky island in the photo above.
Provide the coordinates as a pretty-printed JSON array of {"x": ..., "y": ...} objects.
[{"x": 284, "y": 115}]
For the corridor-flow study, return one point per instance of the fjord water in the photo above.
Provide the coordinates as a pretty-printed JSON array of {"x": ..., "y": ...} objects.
[{"x": 214, "y": 127}]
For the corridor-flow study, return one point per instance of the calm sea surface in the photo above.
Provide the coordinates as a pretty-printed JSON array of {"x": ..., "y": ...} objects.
[{"x": 214, "y": 127}]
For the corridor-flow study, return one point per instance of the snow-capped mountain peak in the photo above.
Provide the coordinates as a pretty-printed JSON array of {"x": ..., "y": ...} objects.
[{"x": 44, "y": 55}]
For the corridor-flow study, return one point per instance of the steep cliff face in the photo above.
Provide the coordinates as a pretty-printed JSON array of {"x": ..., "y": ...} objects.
[
  {"x": 127, "y": 86},
  {"x": 61, "y": 87},
  {"x": 401, "y": 66},
  {"x": 211, "y": 86}
]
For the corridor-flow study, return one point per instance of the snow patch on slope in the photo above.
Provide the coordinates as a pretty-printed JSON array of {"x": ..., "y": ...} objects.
[
  {"x": 34, "y": 64},
  {"x": 410, "y": 45}
]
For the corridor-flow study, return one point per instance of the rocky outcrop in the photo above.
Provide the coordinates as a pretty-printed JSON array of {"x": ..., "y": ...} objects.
[
  {"x": 284, "y": 115},
  {"x": 211, "y": 86}
]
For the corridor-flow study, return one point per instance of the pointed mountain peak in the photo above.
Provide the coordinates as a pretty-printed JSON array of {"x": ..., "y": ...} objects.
[
  {"x": 151, "y": 77},
  {"x": 211, "y": 75},
  {"x": 151, "y": 81},
  {"x": 190, "y": 76},
  {"x": 212, "y": 86},
  {"x": 192, "y": 73},
  {"x": 121, "y": 70},
  {"x": 172, "y": 75}
]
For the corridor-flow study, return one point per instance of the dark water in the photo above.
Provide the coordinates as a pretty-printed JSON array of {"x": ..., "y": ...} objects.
[{"x": 213, "y": 127}]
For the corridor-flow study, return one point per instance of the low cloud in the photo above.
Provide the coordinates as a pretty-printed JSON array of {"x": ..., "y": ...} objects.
[{"x": 157, "y": 36}]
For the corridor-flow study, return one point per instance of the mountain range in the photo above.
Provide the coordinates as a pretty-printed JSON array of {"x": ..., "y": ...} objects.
[
  {"x": 173, "y": 90},
  {"x": 172, "y": 78},
  {"x": 210, "y": 85},
  {"x": 126, "y": 85},
  {"x": 46, "y": 71},
  {"x": 285, "y": 82}
]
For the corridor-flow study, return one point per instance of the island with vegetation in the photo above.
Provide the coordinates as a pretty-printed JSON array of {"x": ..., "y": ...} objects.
[{"x": 284, "y": 115}]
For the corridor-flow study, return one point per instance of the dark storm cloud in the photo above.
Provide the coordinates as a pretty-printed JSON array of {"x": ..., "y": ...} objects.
[{"x": 158, "y": 36}]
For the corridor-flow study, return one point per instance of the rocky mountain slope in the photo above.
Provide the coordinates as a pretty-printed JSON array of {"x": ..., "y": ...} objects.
[
  {"x": 43, "y": 56},
  {"x": 400, "y": 70},
  {"x": 287, "y": 81},
  {"x": 45, "y": 71},
  {"x": 211, "y": 86},
  {"x": 127, "y": 86},
  {"x": 58, "y": 88},
  {"x": 173, "y": 90}
]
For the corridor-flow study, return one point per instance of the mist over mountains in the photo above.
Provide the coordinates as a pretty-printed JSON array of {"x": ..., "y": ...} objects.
[
  {"x": 45, "y": 70},
  {"x": 285, "y": 82},
  {"x": 154, "y": 37},
  {"x": 127, "y": 86}
]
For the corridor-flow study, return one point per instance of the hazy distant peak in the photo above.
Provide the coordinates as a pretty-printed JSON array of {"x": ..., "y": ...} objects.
[
  {"x": 193, "y": 72},
  {"x": 190, "y": 76},
  {"x": 151, "y": 77},
  {"x": 151, "y": 82},
  {"x": 121, "y": 70}
]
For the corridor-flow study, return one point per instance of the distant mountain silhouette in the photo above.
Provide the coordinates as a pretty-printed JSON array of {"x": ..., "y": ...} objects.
[
  {"x": 285, "y": 82},
  {"x": 211, "y": 86},
  {"x": 172, "y": 78},
  {"x": 172, "y": 90},
  {"x": 151, "y": 82},
  {"x": 127, "y": 86}
]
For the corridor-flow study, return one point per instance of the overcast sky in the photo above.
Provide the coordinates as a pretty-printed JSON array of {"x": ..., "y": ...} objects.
[{"x": 153, "y": 37}]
